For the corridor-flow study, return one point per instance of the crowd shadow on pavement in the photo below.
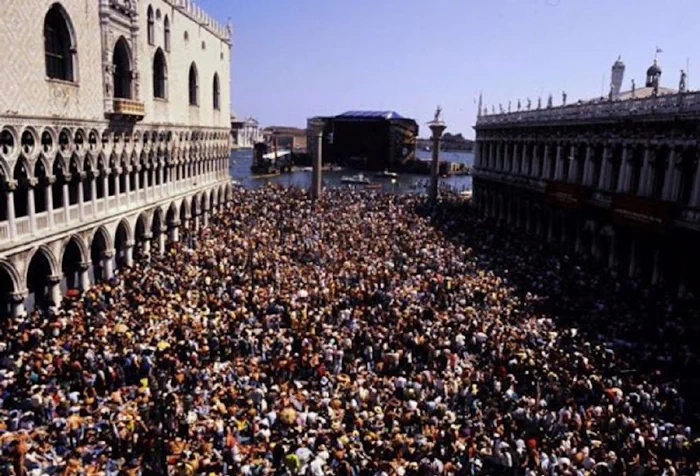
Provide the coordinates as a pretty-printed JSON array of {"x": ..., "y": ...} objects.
[{"x": 653, "y": 334}]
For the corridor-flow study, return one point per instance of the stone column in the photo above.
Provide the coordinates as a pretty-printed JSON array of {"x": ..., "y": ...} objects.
[
  {"x": 547, "y": 162},
  {"x": 81, "y": 197},
  {"x": 535, "y": 161},
  {"x": 66, "y": 197},
  {"x": 105, "y": 187},
  {"x": 559, "y": 167},
  {"x": 31, "y": 206},
  {"x": 175, "y": 231},
  {"x": 604, "y": 178},
  {"x": 127, "y": 186},
  {"x": 93, "y": 193},
  {"x": 108, "y": 263},
  {"x": 205, "y": 216},
  {"x": 161, "y": 244},
  {"x": 146, "y": 245},
  {"x": 524, "y": 166},
  {"x": 670, "y": 178},
  {"x": 623, "y": 179},
  {"x": 17, "y": 300},
  {"x": 588, "y": 166},
  {"x": 646, "y": 173},
  {"x": 129, "y": 254},
  {"x": 84, "y": 274},
  {"x": 50, "y": 180},
  {"x": 316, "y": 178},
  {"x": 117, "y": 186},
  {"x": 10, "y": 196},
  {"x": 515, "y": 159},
  {"x": 695, "y": 196},
  {"x": 56, "y": 297}
]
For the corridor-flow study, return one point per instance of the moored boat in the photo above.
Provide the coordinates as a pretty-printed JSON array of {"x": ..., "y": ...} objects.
[
  {"x": 358, "y": 179},
  {"x": 387, "y": 174}
]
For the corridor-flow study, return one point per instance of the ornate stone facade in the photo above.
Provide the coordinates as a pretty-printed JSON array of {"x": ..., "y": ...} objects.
[
  {"x": 617, "y": 180},
  {"x": 98, "y": 164}
]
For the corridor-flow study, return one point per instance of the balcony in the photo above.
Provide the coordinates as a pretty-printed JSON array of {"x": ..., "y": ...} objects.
[{"x": 128, "y": 109}]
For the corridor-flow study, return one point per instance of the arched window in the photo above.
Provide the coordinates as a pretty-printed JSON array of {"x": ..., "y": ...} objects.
[
  {"x": 194, "y": 86},
  {"x": 151, "y": 27},
  {"x": 217, "y": 92},
  {"x": 166, "y": 33},
  {"x": 160, "y": 75},
  {"x": 58, "y": 44},
  {"x": 122, "y": 70}
]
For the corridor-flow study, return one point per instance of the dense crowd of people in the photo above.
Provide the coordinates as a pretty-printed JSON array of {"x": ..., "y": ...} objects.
[{"x": 367, "y": 334}]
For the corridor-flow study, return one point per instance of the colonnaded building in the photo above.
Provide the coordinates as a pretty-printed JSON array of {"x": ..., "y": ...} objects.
[
  {"x": 114, "y": 134},
  {"x": 616, "y": 178}
]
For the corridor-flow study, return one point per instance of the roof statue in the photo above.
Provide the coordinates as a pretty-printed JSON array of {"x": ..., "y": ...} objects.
[
  {"x": 549, "y": 101},
  {"x": 500, "y": 108},
  {"x": 563, "y": 98},
  {"x": 493, "y": 109},
  {"x": 682, "y": 87},
  {"x": 539, "y": 102},
  {"x": 481, "y": 100},
  {"x": 634, "y": 87},
  {"x": 519, "y": 106},
  {"x": 611, "y": 93},
  {"x": 529, "y": 104}
]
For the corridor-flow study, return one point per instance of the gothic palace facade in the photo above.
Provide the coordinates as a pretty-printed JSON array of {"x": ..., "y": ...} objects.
[
  {"x": 114, "y": 135},
  {"x": 615, "y": 178}
]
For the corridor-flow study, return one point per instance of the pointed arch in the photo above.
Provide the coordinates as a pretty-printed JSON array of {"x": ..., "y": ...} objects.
[
  {"x": 216, "y": 89},
  {"x": 122, "y": 62},
  {"x": 166, "y": 33},
  {"x": 59, "y": 44},
  {"x": 151, "y": 27},
  {"x": 194, "y": 85},
  {"x": 160, "y": 75}
]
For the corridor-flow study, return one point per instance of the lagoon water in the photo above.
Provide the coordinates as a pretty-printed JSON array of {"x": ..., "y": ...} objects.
[{"x": 240, "y": 161}]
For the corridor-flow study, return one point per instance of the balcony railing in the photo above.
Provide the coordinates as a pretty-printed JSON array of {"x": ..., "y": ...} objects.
[
  {"x": 129, "y": 108},
  {"x": 66, "y": 217}
]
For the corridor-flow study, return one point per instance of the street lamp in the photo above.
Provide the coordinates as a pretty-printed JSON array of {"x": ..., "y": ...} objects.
[{"x": 437, "y": 126}]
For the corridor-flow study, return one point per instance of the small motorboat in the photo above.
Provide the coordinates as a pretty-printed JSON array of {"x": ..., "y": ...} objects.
[
  {"x": 387, "y": 174},
  {"x": 373, "y": 186},
  {"x": 358, "y": 179}
]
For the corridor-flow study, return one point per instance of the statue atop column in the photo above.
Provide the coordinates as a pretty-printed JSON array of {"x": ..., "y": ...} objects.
[
  {"x": 438, "y": 113},
  {"x": 681, "y": 85}
]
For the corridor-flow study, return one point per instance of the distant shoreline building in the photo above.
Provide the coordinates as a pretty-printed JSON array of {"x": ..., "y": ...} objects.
[
  {"x": 615, "y": 178},
  {"x": 291, "y": 138},
  {"x": 245, "y": 133},
  {"x": 114, "y": 136}
]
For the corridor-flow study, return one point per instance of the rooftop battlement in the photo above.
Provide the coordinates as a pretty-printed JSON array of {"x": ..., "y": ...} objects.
[{"x": 197, "y": 14}]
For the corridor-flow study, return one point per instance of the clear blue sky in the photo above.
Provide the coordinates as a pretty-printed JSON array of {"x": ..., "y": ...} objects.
[{"x": 293, "y": 59}]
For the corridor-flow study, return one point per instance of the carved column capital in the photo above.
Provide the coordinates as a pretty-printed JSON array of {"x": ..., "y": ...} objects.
[{"x": 18, "y": 297}]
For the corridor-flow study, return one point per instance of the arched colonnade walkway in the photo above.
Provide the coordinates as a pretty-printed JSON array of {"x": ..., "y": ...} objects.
[{"x": 41, "y": 276}]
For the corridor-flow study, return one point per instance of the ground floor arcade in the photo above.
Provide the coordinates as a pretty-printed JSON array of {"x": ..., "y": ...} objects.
[
  {"x": 661, "y": 255},
  {"x": 39, "y": 275}
]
